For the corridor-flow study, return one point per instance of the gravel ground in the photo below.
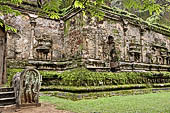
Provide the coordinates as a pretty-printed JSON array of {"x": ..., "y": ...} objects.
[{"x": 45, "y": 108}]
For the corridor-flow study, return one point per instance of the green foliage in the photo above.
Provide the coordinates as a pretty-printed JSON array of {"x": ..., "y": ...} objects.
[
  {"x": 9, "y": 28},
  {"x": 52, "y": 8},
  {"x": 75, "y": 89},
  {"x": 75, "y": 96},
  {"x": 151, "y": 6},
  {"x": 84, "y": 77},
  {"x": 144, "y": 5},
  {"x": 78, "y": 4},
  {"x": 49, "y": 74},
  {"x": 10, "y": 74},
  {"x": 5, "y": 9},
  {"x": 45, "y": 74},
  {"x": 148, "y": 103},
  {"x": 132, "y": 4}
]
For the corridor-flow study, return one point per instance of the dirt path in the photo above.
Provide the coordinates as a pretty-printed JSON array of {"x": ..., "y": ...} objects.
[{"x": 45, "y": 108}]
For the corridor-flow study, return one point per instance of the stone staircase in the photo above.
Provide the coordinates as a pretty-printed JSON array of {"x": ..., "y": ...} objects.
[{"x": 7, "y": 97}]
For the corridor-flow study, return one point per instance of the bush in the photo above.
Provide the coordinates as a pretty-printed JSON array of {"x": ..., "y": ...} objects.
[
  {"x": 10, "y": 74},
  {"x": 45, "y": 74},
  {"x": 84, "y": 77}
]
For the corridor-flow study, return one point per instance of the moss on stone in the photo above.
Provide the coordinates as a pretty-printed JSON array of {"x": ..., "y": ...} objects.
[
  {"x": 95, "y": 95},
  {"x": 17, "y": 63},
  {"x": 115, "y": 32},
  {"x": 107, "y": 10}
]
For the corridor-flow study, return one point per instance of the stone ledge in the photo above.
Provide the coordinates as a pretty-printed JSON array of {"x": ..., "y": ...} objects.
[
  {"x": 95, "y": 95},
  {"x": 74, "y": 89}
]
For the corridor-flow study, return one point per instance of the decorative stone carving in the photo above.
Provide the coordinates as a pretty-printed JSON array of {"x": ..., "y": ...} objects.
[
  {"x": 43, "y": 48},
  {"x": 113, "y": 53},
  {"x": 135, "y": 52},
  {"x": 26, "y": 86}
]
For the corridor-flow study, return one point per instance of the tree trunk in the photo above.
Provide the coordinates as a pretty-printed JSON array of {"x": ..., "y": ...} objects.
[{"x": 2, "y": 57}]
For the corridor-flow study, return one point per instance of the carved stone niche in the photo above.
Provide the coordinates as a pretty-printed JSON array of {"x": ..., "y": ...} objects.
[
  {"x": 135, "y": 52},
  {"x": 168, "y": 58},
  {"x": 161, "y": 54},
  {"x": 43, "y": 48}
]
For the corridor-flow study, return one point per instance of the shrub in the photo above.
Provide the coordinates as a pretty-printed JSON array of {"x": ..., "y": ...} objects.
[
  {"x": 84, "y": 77},
  {"x": 10, "y": 74}
]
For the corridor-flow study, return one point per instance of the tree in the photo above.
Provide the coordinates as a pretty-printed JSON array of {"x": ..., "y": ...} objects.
[
  {"x": 155, "y": 8},
  {"x": 5, "y": 9}
]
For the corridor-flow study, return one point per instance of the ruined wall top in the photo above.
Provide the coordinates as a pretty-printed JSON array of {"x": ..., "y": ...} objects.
[{"x": 30, "y": 7}]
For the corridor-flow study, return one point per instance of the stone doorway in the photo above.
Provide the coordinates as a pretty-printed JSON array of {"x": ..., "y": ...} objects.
[{"x": 3, "y": 41}]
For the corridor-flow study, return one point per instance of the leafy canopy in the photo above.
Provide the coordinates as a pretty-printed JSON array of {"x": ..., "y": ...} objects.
[
  {"x": 155, "y": 8},
  {"x": 5, "y": 9}
]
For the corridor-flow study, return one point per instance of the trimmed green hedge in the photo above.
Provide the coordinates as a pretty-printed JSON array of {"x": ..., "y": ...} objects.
[{"x": 84, "y": 77}]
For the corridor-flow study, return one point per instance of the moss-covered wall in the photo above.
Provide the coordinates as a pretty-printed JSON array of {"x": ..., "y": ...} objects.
[{"x": 118, "y": 42}]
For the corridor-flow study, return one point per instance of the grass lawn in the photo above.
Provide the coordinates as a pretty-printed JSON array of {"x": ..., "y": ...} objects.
[{"x": 148, "y": 103}]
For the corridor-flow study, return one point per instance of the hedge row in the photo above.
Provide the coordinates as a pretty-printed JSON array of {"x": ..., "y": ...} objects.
[
  {"x": 83, "y": 89},
  {"x": 84, "y": 77}
]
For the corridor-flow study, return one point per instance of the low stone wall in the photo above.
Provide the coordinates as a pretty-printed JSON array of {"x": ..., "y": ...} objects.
[{"x": 94, "y": 95}]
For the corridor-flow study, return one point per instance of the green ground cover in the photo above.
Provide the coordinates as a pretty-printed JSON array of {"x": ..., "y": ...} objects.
[{"x": 147, "y": 103}]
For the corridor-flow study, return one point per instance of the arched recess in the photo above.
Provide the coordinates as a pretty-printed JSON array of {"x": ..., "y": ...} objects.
[{"x": 113, "y": 54}]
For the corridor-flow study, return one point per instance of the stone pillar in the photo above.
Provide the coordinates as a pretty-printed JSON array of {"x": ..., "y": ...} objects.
[
  {"x": 143, "y": 52},
  {"x": 33, "y": 24},
  {"x": 97, "y": 47},
  {"x": 142, "y": 48}
]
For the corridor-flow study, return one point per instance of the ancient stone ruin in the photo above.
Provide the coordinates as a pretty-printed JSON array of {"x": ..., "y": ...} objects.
[
  {"x": 26, "y": 86},
  {"x": 119, "y": 42}
]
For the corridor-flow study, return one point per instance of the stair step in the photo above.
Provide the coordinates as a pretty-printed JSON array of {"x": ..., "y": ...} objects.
[
  {"x": 6, "y": 89},
  {"x": 8, "y": 106},
  {"x": 3, "y": 99},
  {"x": 7, "y": 101},
  {"x": 7, "y": 97},
  {"x": 7, "y": 94},
  {"x": 1, "y": 93}
]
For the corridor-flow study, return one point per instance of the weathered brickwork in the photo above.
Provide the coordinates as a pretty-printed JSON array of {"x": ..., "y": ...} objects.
[{"x": 114, "y": 43}]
